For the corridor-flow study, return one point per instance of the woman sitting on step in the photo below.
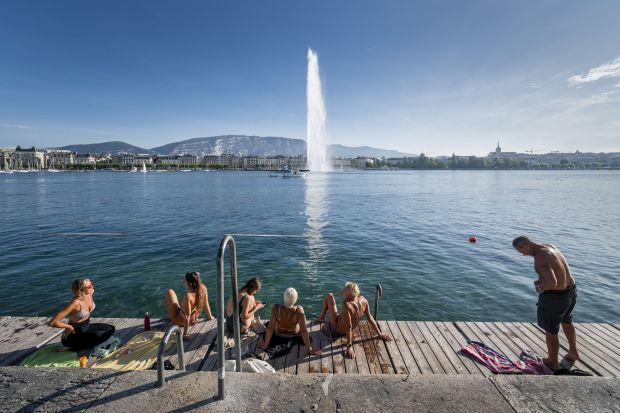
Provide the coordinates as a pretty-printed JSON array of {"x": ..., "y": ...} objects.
[
  {"x": 80, "y": 333},
  {"x": 288, "y": 322},
  {"x": 195, "y": 301},
  {"x": 248, "y": 306}
]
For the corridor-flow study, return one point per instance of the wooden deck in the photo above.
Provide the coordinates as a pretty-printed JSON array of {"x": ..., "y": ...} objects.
[{"x": 419, "y": 347}]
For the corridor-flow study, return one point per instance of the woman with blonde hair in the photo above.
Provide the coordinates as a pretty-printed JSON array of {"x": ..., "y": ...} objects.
[
  {"x": 354, "y": 307},
  {"x": 288, "y": 322},
  {"x": 194, "y": 302},
  {"x": 80, "y": 333}
]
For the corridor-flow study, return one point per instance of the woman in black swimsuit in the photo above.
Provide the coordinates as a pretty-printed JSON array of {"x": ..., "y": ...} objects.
[{"x": 247, "y": 306}]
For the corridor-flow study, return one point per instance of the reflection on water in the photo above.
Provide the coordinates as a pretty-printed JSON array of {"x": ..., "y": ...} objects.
[{"x": 316, "y": 220}]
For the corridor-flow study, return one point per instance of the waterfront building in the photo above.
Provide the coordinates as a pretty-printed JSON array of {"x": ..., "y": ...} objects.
[
  {"x": 297, "y": 162},
  {"x": 19, "y": 158},
  {"x": 167, "y": 161},
  {"x": 362, "y": 162},
  {"x": 60, "y": 158},
  {"x": 251, "y": 162},
  {"x": 188, "y": 161},
  {"x": 341, "y": 163},
  {"x": 85, "y": 159}
]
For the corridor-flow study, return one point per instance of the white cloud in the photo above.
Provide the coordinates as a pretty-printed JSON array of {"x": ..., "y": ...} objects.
[
  {"x": 604, "y": 71},
  {"x": 15, "y": 126}
]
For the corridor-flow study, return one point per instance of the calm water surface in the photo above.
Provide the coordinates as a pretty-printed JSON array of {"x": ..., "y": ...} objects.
[{"x": 405, "y": 230}]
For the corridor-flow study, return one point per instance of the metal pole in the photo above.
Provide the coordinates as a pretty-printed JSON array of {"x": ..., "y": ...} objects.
[
  {"x": 235, "y": 300},
  {"x": 221, "y": 311},
  {"x": 220, "y": 320},
  {"x": 161, "y": 380},
  {"x": 378, "y": 292}
]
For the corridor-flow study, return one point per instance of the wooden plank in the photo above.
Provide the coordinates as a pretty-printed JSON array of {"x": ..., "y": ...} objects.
[
  {"x": 400, "y": 366},
  {"x": 595, "y": 342},
  {"x": 456, "y": 341},
  {"x": 492, "y": 339},
  {"x": 360, "y": 353},
  {"x": 290, "y": 364},
  {"x": 607, "y": 328},
  {"x": 312, "y": 364},
  {"x": 28, "y": 334},
  {"x": 589, "y": 358},
  {"x": 497, "y": 341},
  {"x": 194, "y": 348},
  {"x": 592, "y": 361},
  {"x": 512, "y": 339},
  {"x": 412, "y": 345},
  {"x": 530, "y": 341},
  {"x": 598, "y": 332},
  {"x": 430, "y": 356},
  {"x": 432, "y": 334},
  {"x": 25, "y": 330},
  {"x": 209, "y": 334},
  {"x": 327, "y": 365},
  {"x": 376, "y": 346},
  {"x": 339, "y": 361},
  {"x": 399, "y": 341}
]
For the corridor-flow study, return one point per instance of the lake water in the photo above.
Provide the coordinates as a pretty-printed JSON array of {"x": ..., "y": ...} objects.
[{"x": 406, "y": 230}]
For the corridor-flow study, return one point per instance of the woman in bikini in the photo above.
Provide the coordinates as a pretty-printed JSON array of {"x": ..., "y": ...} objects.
[
  {"x": 80, "y": 333},
  {"x": 354, "y": 307},
  {"x": 288, "y": 322},
  {"x": 194, "y": 302},
  {"x": 248, "y": 306}
]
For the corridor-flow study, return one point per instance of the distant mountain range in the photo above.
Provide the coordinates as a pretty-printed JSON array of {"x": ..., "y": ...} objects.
[{"x": 240, "y": 145}]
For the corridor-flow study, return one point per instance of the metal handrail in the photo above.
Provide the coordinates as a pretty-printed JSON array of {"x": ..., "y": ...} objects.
[
  {"x": 378, "y": 292},
  {"x": 161, "y": 380},
  {"x": 228, "y": 239}
]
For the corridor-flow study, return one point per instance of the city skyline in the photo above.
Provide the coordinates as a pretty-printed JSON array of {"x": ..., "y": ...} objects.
[{"x": 402, "y": 76}]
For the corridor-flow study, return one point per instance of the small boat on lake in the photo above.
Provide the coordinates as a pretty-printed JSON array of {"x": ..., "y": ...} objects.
[{"x": 293, "y": 173}]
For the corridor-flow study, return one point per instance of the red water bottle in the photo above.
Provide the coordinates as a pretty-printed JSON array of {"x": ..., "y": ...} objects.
[{"x": 147, "y": 321}]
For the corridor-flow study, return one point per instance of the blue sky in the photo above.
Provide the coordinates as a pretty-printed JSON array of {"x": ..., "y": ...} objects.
[{"x": 432, "y": 76}]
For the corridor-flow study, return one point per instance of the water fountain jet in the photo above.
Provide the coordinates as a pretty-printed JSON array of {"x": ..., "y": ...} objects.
[{"x": 316, "y": 136}]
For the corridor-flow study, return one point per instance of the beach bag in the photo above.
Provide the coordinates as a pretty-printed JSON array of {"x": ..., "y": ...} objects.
[
  {"x": 107, "y": 347},
  {"x": 250, "y": 365}
]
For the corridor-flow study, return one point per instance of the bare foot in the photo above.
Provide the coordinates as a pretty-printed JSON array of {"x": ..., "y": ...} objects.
[
  {"x": 572, "y": 357},
  {"x": 552, "y": 365}
]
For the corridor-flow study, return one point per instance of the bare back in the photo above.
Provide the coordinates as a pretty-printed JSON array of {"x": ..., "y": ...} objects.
[
  {"x": 288, "y": 319},
  {"x": 548, "y": 258},
  {"x": 356, "y": 308}
]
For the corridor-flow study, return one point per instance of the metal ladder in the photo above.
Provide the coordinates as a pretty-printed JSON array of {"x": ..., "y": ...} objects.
[
  {"x": 228, "y": 239},
  {"x": 161, "y": 379}
]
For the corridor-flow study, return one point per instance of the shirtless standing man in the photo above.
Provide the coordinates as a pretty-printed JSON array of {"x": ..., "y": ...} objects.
[
  {"x": 354, "y": 308},
  {"x": 557, "y": 297}
]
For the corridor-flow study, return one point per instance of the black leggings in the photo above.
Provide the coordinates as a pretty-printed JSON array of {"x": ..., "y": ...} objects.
[{"x": 87, "y": 335}]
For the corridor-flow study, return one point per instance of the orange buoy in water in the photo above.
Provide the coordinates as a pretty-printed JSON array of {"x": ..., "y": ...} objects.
[{"x": 473, "y": 239}]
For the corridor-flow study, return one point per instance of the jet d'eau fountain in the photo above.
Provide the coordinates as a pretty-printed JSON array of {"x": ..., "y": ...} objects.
[{"x": 316, "y": 133}]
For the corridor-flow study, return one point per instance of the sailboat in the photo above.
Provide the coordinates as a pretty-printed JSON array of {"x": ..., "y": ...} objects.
[
  {"x": 51, "y": 168},
  {"x": 144, "y": 167}
]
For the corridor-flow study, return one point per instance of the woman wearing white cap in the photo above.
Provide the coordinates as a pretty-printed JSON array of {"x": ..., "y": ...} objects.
[{"x": 288, "y": 322}]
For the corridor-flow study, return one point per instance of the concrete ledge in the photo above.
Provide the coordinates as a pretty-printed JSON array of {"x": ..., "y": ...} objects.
[{"x": 55, "y": 390}]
